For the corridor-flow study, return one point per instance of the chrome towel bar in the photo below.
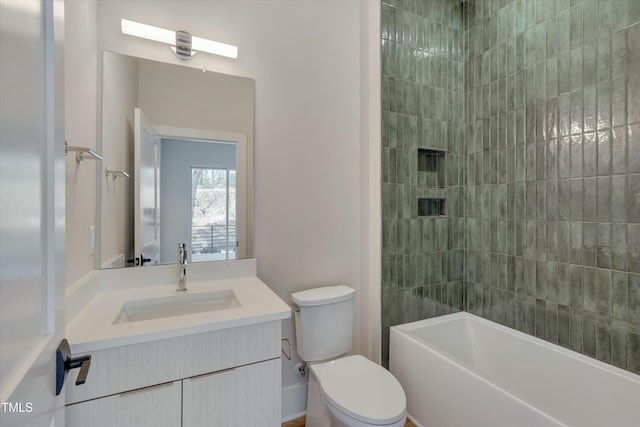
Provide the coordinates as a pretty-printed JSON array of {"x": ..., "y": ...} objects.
[
  {"x": 82, "y": 153},
  {"x": 116, "y": 173}
]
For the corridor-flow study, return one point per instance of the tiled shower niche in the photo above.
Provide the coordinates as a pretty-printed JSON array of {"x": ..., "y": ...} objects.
[
  {"x": 432, "y": 182},
  {"x": 432, "y": 168},
  {"x": 431, "y": 207}
]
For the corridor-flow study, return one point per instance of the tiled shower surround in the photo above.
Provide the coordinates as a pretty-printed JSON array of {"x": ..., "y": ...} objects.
[
  {"x": 551, "y": 176},
  {"x": 423, "y": 125}
]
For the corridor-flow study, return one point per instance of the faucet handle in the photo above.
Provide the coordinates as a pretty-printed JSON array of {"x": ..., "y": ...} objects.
[
  {"x": 182, "y": 267},
  {"x": 182, "y": 252}
]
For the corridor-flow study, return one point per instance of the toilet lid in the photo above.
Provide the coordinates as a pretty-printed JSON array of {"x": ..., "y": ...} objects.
[{"x": 363, "y": 390}]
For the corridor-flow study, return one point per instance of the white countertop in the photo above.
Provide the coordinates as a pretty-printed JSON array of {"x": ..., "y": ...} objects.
[{"x": 92, "y": 327}]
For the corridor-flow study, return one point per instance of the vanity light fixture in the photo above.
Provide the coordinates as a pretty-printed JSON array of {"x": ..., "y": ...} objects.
[{"x": 183, "y": 44}]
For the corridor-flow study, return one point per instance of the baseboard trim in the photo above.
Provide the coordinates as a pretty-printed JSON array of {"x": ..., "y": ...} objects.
[{"x": 294, "y": 402}]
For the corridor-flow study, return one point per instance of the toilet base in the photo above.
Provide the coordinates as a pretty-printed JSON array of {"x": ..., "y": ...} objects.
[
  {"x": 317, "y": 411},
  {"x": 321, "y": 413}
]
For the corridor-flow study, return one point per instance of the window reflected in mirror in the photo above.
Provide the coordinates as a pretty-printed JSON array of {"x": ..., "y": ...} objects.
[{"x": 213, "y": 214}]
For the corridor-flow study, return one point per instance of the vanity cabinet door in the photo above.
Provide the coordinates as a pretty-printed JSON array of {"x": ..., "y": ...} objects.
[
  {"x": 155, "y": 406},
  {"x": 246, "y": 396}
]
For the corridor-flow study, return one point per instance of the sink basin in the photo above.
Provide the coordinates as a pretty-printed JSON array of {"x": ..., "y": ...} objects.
[{"x": 176, "y": 305}]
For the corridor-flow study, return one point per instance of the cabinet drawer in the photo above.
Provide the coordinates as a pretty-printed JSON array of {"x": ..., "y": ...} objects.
[
  {"x": 156, "y": 406},
  {"x": 134, "y": 366},
  {"x": 245, "y": 396}
]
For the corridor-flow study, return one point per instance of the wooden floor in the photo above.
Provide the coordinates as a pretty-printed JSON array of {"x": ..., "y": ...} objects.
[{"x": 299, "y": 422}]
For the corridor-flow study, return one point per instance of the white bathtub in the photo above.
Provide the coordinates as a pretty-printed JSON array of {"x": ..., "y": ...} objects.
[{"x": 461, "y": 370}]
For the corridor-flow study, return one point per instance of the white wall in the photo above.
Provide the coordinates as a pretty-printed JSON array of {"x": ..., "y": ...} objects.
[
  {"x": 369, "y": 317},
  {"x": 316, "y": 137},
  {"x": 119, "y": 98},
  {"x": 81, "y": 87}
]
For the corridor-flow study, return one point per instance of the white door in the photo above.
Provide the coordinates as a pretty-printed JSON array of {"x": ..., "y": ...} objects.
[
  {"x": 147, "y": 191},
  {"x": 31, "y": 210}
]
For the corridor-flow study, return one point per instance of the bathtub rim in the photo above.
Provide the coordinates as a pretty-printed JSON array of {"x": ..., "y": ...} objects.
[
  {"x": 446, "y": 359},
  {"x": 407, "y": 327}
]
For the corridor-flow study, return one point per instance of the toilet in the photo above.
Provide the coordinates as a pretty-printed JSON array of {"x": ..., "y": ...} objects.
[{"x": 343, "y": 390}]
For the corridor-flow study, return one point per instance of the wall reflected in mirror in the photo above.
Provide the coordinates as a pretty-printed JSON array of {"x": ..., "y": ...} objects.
[{"x": 189, "y": 153}]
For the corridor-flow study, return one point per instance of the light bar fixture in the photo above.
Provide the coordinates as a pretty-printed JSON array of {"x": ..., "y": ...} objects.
[{"x": 182, "y": 43}]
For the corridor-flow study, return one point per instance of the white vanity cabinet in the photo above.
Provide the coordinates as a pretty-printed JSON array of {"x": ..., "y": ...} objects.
[{"x": 229, "y": 377}]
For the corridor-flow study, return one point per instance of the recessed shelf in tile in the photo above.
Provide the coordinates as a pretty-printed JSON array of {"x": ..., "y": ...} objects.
[
  {"x": 431, "y": 207},
  {"x": 431, "y": 168}
]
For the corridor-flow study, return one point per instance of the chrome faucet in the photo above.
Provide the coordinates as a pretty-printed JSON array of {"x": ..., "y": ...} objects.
[{"x": 182, "y": 265}]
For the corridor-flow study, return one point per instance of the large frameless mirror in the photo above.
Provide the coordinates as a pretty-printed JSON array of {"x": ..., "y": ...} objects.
[{"x": 178, "y": 168}]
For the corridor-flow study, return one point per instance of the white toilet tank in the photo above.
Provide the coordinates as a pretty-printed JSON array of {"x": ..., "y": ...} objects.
[{"x": 324, "y": 322}]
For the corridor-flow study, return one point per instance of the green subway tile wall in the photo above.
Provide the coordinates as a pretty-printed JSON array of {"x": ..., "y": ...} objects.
[
  {"x": 545, "y": 115},
  {"x": 422, "y": 161}
]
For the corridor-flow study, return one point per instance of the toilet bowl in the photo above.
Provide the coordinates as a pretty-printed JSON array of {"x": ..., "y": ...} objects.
[
  {"x": 343, "y": 390},
  {"x": 355, "y": 392}
]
